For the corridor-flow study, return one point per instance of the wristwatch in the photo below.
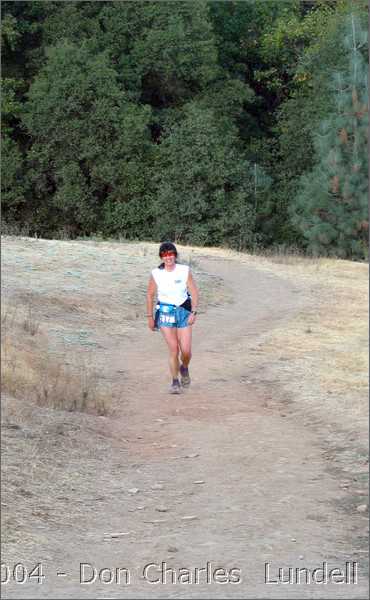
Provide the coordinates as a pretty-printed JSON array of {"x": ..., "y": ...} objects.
[{"x": 194, "y": 312}]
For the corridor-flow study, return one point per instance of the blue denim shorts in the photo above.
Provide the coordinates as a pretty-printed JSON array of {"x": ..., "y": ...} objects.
[{"x": 169, "y": 315}]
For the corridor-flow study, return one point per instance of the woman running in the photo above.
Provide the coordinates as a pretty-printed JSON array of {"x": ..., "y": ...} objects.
[{"x": 177, "y": 301}]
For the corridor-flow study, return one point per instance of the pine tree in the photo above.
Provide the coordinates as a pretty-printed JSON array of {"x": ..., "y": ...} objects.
[{"x": 331, "y": 207}]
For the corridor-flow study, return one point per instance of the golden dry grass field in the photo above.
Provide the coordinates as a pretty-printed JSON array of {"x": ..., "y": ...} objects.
[{"x": 273, "y": 431}]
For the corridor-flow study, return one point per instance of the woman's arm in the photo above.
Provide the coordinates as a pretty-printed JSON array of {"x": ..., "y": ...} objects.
[
  {"x": 193, "y": 291},
  {"x": 150, "y": 298}
]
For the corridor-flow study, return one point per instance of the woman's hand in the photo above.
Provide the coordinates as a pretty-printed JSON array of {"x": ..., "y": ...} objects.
[
  {"x": 151, "y": 323},
  {"x": 151, "y": 292},
  {"x": 191, "y": 319}
]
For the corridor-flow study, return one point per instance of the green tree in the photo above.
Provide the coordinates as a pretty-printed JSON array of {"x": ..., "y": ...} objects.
[
  {"x": 240, "y": 27},
  {"x": 20, "y": 37},
  {"x": 316, "y": 42},
  {"x": 163, "y": 52},
  {"x": 331, "y": 207},
  {"x": 206, "y": 188},
  {"x": 89, "y": 140}
]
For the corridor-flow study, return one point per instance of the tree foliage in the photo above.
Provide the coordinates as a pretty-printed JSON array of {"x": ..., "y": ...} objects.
[
  {"x": 89, "y": 138},
  {"x": 331, "y": 207},
  {"x": 206, "y": 122},
  {"x": 209, "y": 200}
]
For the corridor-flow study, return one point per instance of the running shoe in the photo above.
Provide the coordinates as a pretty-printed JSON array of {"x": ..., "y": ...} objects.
[
  {"x": 185, "y": 377},
  {"x": 175, "y": 387}
]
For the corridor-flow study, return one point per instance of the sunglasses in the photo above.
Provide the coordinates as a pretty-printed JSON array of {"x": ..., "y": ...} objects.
[{"x": 169, "y": 253}]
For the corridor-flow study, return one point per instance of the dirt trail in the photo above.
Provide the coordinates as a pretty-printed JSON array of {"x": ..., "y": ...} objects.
[{"x": 225, "y": 474}]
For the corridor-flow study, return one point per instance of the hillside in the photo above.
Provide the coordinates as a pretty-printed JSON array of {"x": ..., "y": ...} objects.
[{"x": 263, "y": 459}]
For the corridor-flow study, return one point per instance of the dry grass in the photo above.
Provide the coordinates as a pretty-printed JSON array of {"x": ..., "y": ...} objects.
[
  {"x": 58, "y": 295},
  {"x": 31, "y": 372},
  {"x": 327, "y": 345},
  {"x": 321, "y": 355},
  {"x": 52, "y": 460}
]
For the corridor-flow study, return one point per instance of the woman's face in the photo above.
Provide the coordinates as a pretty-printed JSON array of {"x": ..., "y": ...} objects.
[{"x": 169, "y": 258}]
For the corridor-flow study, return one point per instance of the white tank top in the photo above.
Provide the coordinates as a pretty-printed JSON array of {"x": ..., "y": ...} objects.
[{"x": 171, "y": 285}]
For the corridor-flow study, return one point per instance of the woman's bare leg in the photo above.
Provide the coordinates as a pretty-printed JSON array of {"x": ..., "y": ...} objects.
[
  {"x": 170, "y": 335},
  {"x": 184, "y": 335}
]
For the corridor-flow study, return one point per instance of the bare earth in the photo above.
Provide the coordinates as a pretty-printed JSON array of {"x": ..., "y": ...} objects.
[{"x": 235, "y": 472}]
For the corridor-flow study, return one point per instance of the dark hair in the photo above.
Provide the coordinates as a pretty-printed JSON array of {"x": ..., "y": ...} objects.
[{"x": 167, "y": 247}]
